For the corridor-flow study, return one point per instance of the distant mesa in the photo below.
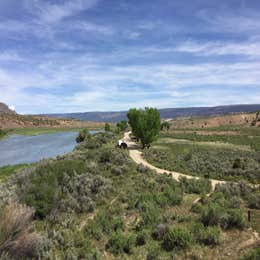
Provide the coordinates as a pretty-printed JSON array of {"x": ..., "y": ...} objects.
[
  {"x": 166, "y": 113},
  {"x": 6, "y": 109}
]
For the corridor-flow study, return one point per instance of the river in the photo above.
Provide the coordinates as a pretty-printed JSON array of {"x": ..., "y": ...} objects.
[{"x": 20, "y": 149}]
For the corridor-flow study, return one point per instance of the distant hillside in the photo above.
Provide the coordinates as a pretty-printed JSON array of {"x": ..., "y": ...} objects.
[
  {"x": 165, "y": 113},
  {"x": 10, "y": 119},
  {"x": 5, "y": 109}
]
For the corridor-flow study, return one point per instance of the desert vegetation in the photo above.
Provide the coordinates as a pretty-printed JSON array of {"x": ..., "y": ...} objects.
[
  {"x": 95, "y": 203},
  {"x": 209, "y": 161}
]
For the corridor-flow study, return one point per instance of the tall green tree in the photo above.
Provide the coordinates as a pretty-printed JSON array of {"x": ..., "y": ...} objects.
[
  {"x": 145, "y": 124},
  {"x": 107, "y": 127},
  {"x": 121, "y": 126}
]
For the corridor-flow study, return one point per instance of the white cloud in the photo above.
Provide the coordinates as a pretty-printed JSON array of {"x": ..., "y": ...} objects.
[{"x": 52, "y": 13}]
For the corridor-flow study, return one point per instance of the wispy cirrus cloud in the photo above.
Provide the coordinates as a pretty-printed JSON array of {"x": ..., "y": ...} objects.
[
  {"x": 48, "y": 12},
  {"x": 107, "y": 55}
]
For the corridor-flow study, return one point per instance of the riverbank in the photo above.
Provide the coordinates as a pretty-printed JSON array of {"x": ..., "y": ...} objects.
[
  {"x": 42, "y": 130},
  {"x": 97, "y": 201}
]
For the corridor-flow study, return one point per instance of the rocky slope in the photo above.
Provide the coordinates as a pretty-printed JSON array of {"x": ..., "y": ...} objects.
[{"x": 5, "y": 109}]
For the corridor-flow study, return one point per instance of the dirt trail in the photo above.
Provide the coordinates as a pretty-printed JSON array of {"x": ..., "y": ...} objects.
[{"x": 136, "y": 156}]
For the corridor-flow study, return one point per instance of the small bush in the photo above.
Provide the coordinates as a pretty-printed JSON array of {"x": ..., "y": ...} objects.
[
  {"x": 195, "y": 186},
  {"x": 150, "y": 214},
  {"x": 254, "y": 200},
  {"x": 207, "y": 235},
  {"x": 153, "y": 252},
  {"x": 119, "y": 243},
  {"x": 252, "y": 255},
  {"x": 83, "y": 135},
  {"x": 177, "y": 238},
  {"x": 17, "y": 238},
  {"x": 141, "y": 238},
  {"x": 214, "y": 214},
  {"x": 160, "y": 231}
]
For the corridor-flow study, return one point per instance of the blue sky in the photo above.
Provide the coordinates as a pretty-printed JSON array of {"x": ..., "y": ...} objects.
[{"x": 98, "y": 55}]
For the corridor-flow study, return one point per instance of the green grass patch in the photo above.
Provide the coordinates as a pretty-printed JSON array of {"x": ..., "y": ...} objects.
[
  {"x": 248, "y": 140},
  {"x": 7, "y": 171},
  {"x": 41, "y": 130}
]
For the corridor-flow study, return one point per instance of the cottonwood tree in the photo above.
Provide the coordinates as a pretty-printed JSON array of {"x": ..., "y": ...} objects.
[
  {"x": 145, "y": 124},
  {"x": 121, "y": 126}
]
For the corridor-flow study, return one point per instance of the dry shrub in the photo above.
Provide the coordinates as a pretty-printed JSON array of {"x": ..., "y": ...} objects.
[{"x": 17, "y": 237}]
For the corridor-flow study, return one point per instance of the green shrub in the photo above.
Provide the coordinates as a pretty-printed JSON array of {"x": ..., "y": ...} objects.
[
  {"x": 119, "y": 243},
  {"x": 42, "y": 194},
  {"x": 254, "y": 200},
  {"x": 252, "y": 255},
  {"x": 173, "y": 196},
  {"x": 83, "y": 135},
  {"x": 150, "y": 214},
  {"x": 177, "y": 238},
  {"x": 207, "y": 235},
  {"x": 195, "y": 186},
  {"x": 141, "y": 238},
  {"x": 214, "y": 214},
  {"x": 160, "y": 231},
  {"x": 153, "y": 252}
]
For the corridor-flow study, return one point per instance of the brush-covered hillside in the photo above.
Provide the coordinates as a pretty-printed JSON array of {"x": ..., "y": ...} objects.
[{"x": 96, "y": 203}]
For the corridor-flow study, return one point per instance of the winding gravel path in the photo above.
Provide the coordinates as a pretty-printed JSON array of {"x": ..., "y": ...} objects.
[{"x": 136, "y": 156}]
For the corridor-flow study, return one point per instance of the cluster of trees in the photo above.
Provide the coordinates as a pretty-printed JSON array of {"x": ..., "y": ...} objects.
[
  {"x": 145, "y": 124},
  {"x": 83, "y": 135},
  {"x": 121, "y": 126}
]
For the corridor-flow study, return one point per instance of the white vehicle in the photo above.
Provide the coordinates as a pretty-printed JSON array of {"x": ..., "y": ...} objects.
[{"x": 121, "y": 144}]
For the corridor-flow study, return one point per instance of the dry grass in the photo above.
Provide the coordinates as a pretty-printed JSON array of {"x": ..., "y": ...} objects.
[{"x": 17, "y": 237}]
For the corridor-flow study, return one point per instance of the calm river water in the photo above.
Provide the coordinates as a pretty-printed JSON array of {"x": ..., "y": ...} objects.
[{"x": 19, "y": 149}]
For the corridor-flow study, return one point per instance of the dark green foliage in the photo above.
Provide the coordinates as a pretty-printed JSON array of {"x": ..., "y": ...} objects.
[
  {"x": 83, "y": 135},
  {"x": 149, "y": 214},
  {"x": 177, "y": 238},
  {"x": 165, "y": 125},
  {"x": 141, "y": 238},
  {"x": 107, "y": 127},
  {"x": 3, "y": 133},
  {"x": 104, "y": 223},
  {"x": 241, "y": 190},
  {"x": 160, "y": 231},
  {"x": 145, "y": 124},
  {"x": 252, "y": 255},
  {"x": 58, "y": 185},
  {"x": 42, "y": 193},
  {"x": 207, "y": 235},
  {"x": 195, "y": 186},
  {"x": 149, "y": 203},
  {"x": 121, "y": 126},
  {"x": 120, "y": 243},
  {"x": 254, "y": 200},
  {"x": 153, "y": 252},
  {"x": 219, "y": 212}
]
